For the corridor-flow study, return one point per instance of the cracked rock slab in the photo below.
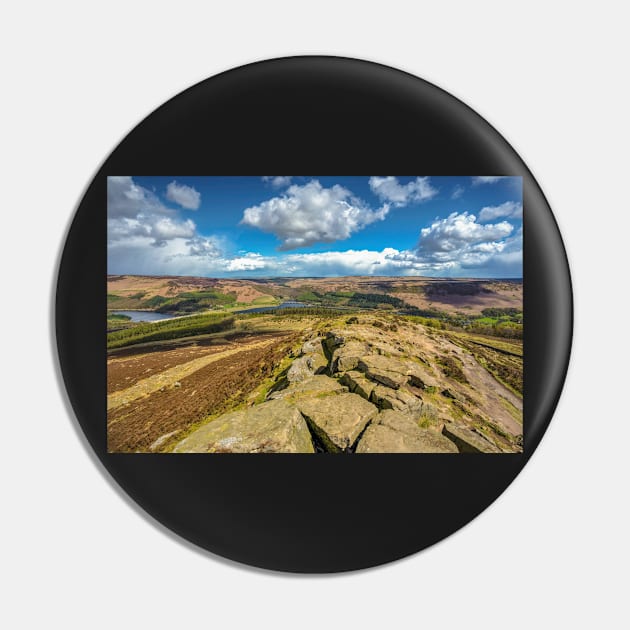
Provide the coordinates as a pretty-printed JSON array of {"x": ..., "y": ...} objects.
[
  {"x": 398, "y": 399},
  {"x": 271, "y": 427},
  {"x": 358, "y": 383},
  {"x": 395, "y": 432},
  {"x": 306, "y": 366},
  {"x": 467, "y": 440},
  {"x": 337, "y": 421},
  {"x": 347, "y": 356},
  {"x": 385, "y": 370}
]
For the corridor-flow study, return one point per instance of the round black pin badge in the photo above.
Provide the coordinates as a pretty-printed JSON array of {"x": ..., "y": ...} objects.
[{"x": 314, "y": 373}]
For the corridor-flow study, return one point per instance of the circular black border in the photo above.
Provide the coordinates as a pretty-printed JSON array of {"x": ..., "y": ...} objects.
[{"x": 312, "y": 114}]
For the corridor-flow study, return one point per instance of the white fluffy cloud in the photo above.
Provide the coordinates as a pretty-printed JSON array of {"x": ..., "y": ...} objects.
[
  {"x": 509, "y": 209},
  {"x": 455, "y": 246},
  {"x": 391, "y": 190},
  {"x": 277, "y": 181},
  {"x": 386, "y": 262},
  {"x": 145, "y": 236},
  {"x": 186, "y": 196},
  {"x": 458, "y": 230},
  {"x": 481, "y": 259},
  {"x": 349, "y": 262},
  {"x": 486, "y": 179},
  {"x": 312, "y": 214},
  {"x": 249, "y": 261},
  {"x": 459, "y": 240},
  {"x": 126, "y": 199}
]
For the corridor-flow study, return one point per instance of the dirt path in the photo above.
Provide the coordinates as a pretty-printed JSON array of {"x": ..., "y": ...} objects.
[
  {"x": 493, "y": 391},
  {"x": 174, "y": 374}
]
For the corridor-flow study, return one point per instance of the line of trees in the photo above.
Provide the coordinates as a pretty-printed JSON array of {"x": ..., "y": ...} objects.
[{"x": 169, "y": 329}]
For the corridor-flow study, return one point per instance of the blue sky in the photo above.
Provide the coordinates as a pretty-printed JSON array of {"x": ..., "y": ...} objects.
[{"x": 315, "y": 226}]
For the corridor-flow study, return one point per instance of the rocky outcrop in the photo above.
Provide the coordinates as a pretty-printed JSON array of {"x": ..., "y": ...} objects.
[
  {"x": 356, "y": 389},
  {"x": 398, "y": 399},
  {"x": 271, "y": 427},
  {"x": 357, "y": 383},
  {"x": 395, "y": 372},
  {"x": 383, "y": 397},
  {"x": 313, "y": 346},
  {"x": 314, "y": 386},
  {"x": 312, "y": 361},
  {"x": 419, "y": 377},
  {"x": 332, "y": 341},
  {"x": 395, "y": 432},
  {"x": 306, "y": 366},
  {"x": 467, "y": 440},
  {"x": 347, "y": 356},
  {"x": 337, "y": 420},
  {"x": 385, "y": 370},
  {"x": 299, "y": 371}
]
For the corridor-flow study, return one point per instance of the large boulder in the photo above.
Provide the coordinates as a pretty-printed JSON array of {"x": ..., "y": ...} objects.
[
  {"x": 385, "y": 370},
  {"x": 398, "y": 399},
  {"x": 467, "y": 440},
  {"x": 299, "y": 371},
  {"x": 395, "y": 432},
  {"x": 347, "y": 356},
  {"x": 338, "y": 420},
  {"x": 395, "y": 372},
  {"x": 313, "y": 346},
  {"x": 306, "y": 366},
  {"x": 333, "y": 340},
  {"x": 420, "y": 377},
  {"x": 271, "y": 427},
  {"x": 358, "y": 384}
]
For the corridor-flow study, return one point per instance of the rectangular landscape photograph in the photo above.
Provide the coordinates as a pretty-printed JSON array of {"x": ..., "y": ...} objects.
[{"x": 315, "y": 314}]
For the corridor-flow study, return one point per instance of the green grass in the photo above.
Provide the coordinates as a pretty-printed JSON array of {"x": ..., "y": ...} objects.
[
  {"x": 309, "y": 296},
  {"x": 195, "y": 301},
  {"x": 486, "y": 321},
  {"x": 118, "y": 317},
  {"x": 375, "y": 300},
  {"x": 170, "y": 329},
  {"x": 504, "y": 326},
  {"x": 265, "y": 300},
  {"x": 155, "y": 301},
  {"x": 299, "y": 313}
]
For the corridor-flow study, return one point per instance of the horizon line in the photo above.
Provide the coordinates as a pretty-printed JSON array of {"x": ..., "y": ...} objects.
[{"x": 160, "y": 275}]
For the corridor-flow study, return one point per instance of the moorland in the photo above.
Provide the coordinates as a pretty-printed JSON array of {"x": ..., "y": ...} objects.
[{"x": 315, "y": 365}]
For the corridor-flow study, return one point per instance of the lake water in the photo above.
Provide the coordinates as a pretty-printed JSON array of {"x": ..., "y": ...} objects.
[
  {"x": 267, "y": 309},
  {"x": 144, "y": 316}
]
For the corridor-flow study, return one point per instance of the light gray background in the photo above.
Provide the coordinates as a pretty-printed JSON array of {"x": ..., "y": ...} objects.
[{"x": 553, "y": 550}]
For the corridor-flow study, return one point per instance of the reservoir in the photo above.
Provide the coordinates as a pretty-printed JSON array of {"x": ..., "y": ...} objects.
[{"x": 144, "y": 316}]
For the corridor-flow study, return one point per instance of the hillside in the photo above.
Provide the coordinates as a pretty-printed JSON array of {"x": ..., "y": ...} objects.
[
  {"x": 460, "y": 300},
  {"x": 370, "y": 382}
]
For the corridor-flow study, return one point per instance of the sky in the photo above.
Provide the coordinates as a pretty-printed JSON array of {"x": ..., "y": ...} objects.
[{"x": 245, "y": 227}]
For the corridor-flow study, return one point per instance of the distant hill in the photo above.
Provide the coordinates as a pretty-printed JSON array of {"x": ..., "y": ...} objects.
[{"x": 189, "y": 293}]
